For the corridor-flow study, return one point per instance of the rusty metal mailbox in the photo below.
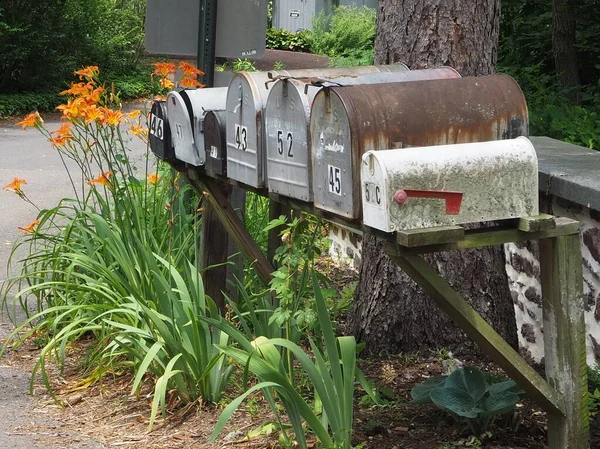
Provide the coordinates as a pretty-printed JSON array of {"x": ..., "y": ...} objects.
[
  {"x": 287, "y": 120},
  {"x": 214, "y": 142},
  {"x": 246, "y": 100},
  {"x": 159, "y": 132},
  {"x": 349, "y": 121},
  {"x": 444, "y": 185},
  {"x": 186, "y": 111}
]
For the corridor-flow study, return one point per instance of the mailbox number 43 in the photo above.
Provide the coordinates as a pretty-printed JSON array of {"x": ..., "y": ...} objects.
[
  {"x": 334, "y": 179},
  {"x": 241, "y": 137}
]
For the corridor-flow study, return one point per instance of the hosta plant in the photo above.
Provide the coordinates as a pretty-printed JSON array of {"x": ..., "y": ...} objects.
[{"x": 470, "y": 396}]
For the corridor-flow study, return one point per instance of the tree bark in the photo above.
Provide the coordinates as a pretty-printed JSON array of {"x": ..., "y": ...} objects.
[
  {"x": 391, "y": 313},
  {"x": 563, "y": 48}
]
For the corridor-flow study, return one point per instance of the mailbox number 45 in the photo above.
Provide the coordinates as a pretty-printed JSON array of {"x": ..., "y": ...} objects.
[{"x": 335, "y": 180}]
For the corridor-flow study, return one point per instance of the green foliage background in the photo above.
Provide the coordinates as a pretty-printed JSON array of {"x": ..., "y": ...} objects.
[{"x": 42, "y": 43}]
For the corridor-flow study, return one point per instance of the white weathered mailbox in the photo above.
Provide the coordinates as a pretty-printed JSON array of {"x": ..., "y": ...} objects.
[
  {"x": 246, "y": 100},
  {"x": 287, "y": 122},
  {"x": 186, "y": 110},
  {"x": 348, "y": 121},
  {"x": 444, "y": 185}
]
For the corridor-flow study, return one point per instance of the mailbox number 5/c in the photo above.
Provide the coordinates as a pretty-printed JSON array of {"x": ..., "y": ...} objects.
[
  {"x": 280, "y": 144},
  {"x": 156, "y": 126},
  {"x": 373, "y": 193},
  {"x": 241, "y": 137},
  {"x": 335, "y": 180}
]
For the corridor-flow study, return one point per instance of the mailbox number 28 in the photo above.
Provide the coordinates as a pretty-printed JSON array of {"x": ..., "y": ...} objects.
[
  {"x": 241, "y": 137},
  {"x": 280, "y": 144},
  {"x": 334, "y": 179}
]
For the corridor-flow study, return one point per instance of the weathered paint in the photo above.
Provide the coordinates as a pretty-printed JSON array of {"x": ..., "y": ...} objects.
[
  {"x": 400, "y": 115},
  {"x": 494, "y": 180},
  {"x": 287, "y": 122},
  {"x": 186, "y": 111},
  {"x": 246, "y": 100}
]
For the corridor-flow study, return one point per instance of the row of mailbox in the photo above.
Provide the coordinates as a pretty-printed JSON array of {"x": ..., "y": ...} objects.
[{"x": 307, "y": 134}]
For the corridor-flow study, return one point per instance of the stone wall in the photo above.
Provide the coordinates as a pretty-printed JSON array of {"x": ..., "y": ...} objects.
[
  {"x": 523, "y": 271},
  {"x": 570, "y": 187}
]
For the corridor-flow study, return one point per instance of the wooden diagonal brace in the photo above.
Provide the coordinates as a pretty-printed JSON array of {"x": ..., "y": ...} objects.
[
  {"x": 480, "y": 331},
  {"x": 233, "y": 224}
]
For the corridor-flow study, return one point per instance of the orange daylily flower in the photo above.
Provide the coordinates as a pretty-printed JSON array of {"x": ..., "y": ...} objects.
[
  {"x": 134, "y": 114},
  {"x": 103, "y": 179},
  {"x": 166, "y": 83},
  {"x": 30, "y": 227},
  {"x": 112, "y": 117},
  {"x": 153, "y": 178},
  {"x": 159, "y": 98},
  {"x": 78, "y": 89},
  {"x": 163, "y": 68},
  {"x": 139, "y": 131},
  {"x": 93, "y": 113},
  {"x": 88, "y": 72},
  {"x": 73, "y": 108},
  {"x": 33, "y": 119},
  {"x": 15, "y": 185},
  {"x": 62, "y": 135},
  {"x": 189, "y": 69},
  {"x": 94, "y": 96},
  {"x": 190, "y": 82}
]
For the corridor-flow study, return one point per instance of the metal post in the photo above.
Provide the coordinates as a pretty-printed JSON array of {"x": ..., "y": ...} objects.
[{"x": 207, "y": 34}]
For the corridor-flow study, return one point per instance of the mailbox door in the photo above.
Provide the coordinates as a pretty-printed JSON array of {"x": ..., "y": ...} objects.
[
  {"x": 244, "y": 128},
  {"x": 215, "y": 143},
  {"x": 332, "y": 153},
  {"x": 286, "y": 137},
  {"x": 159, "y": 132},
  {"x": 182, "y": 134}
]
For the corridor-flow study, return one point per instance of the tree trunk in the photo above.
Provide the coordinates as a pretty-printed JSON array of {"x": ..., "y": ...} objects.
[
  {"x": 391, "y": 313},
  {"x": 563, "y": 48}
]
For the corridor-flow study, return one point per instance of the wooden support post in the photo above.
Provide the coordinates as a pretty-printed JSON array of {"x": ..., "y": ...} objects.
[
  {"x": 217, "y": 248},
  {"x": 480, "y": 332},
  {"x": 235, "y": 268},
  {"x": 232, "y": 223},
  {"x": 564, "y": 339},
  {"x": 214, "y": 252}
]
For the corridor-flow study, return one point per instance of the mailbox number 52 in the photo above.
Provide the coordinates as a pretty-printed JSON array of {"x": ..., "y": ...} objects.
[
  {"x": 280, "y": 144},
  {"x": 335, "y": 180},
  {"x": 156, "y": 126},
  {"x": 241, "y": 137}
]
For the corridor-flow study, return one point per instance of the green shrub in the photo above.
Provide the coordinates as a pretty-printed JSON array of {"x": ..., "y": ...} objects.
[
  {"x": 43, "y": 43},
  {"x": 26, "y": 102},
  {"x": 286, "y": 40},
  {"x": 347, "y": 35}
]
